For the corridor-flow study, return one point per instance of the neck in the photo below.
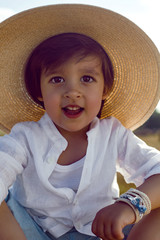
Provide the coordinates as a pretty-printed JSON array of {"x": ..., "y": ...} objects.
[
  {"x": 77, "y": 146},
  {"x": 69, "y": 136}
]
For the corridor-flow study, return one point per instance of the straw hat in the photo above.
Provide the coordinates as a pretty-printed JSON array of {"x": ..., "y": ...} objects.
[{"x": 135, "y": 59}]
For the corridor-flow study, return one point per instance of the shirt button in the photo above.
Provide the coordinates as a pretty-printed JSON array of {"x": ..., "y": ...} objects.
[
  {"x": 78, "y": 226},
  {"x": 75, "y": 202},
  {"x": 49, "y": 160}
]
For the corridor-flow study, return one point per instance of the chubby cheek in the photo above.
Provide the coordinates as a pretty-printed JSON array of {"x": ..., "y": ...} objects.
[
  {"x": 95, "y": 104},
  {"x": 51, "y": 103}
]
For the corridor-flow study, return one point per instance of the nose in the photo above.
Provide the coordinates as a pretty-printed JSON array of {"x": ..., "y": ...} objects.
[
  {"x": 72, "y": 94},
  {"x": 72, "y": 89}
]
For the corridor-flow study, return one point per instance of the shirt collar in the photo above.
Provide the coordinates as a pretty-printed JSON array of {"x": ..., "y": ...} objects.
[
  {"x": 53, "y": 133},
  {"x": 50, "y": 129}
]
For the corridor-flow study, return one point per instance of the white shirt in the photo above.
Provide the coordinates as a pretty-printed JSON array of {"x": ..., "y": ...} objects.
[
  {"x": 67, "y": 175},
  {"x": 29, "y": 155}
]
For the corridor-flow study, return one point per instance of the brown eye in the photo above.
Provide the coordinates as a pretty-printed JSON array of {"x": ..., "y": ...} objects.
[
  {"x": 57, "y": 80},
  {"x": 87, "y": 79}
]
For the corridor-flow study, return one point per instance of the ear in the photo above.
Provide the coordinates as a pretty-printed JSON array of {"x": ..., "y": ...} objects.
[
  {"x": 105, "y": 93},
  {"x": 40, "y": 99}
]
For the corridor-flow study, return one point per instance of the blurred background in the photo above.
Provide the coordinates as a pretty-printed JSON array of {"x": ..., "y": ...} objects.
[{"x": 144, "y": 13}]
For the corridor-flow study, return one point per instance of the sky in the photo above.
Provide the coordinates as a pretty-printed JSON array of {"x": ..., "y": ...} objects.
[{"x": 144, "y": 13}]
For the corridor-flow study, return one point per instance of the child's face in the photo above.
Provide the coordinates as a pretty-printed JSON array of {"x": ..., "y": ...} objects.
[{"x": 73, "y": 93}]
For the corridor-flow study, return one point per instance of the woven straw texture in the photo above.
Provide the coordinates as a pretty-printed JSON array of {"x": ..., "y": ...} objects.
[{"x": 135, "y": 59}]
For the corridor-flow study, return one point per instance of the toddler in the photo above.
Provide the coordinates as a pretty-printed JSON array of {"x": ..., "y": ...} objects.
[{"x": 62, "y": 168}]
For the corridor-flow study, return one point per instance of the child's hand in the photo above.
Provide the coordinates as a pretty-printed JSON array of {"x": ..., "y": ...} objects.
[{"x": 110, "y": 221}]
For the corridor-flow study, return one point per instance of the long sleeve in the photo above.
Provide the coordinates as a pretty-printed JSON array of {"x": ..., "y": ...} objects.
[
  {"x": 137, "y": 161},
  {"x": 13, "y": 159}
]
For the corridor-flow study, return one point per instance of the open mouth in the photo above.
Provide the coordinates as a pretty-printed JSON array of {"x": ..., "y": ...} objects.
[{"x": 72, "y": 111}]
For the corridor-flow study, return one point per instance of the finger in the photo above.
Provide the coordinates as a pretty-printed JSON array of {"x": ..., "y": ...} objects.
[
  {"x": 94, "y": 227},
  {"x": 98, "y": 229},
  {"x": 117, "y": 232},
  {"x": 108, "y": 233}
]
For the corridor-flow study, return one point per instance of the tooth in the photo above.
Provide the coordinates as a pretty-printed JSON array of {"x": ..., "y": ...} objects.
[{"x": 73, "y": 108}]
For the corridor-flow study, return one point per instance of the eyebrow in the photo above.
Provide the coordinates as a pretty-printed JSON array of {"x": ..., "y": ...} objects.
[
  {"x": 50, "y": 71},
  {"x": 90, "y": 71}
]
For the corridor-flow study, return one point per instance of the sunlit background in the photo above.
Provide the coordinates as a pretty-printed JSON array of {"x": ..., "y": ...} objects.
[{"x": 145, "y": 13}]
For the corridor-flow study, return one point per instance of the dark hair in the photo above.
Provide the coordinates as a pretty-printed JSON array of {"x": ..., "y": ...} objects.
[{"x": 57, "y": 49}]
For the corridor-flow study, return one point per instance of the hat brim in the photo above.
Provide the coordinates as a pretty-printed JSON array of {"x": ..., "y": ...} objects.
[{"x": 135, "y": 59}]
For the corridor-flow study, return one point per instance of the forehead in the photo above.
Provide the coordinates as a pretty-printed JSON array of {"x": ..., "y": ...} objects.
[
  {"x": 90, "y": 63},
  {"x": 85, "y": 60}
]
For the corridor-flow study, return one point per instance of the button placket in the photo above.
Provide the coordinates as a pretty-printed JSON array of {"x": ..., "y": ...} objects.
[{"x": 50, "y": 160}]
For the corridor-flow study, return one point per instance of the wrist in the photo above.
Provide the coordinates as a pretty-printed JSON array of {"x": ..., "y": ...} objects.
[
  {"x": 127, "y": 211},
  {"x": 138, "y": 201}
]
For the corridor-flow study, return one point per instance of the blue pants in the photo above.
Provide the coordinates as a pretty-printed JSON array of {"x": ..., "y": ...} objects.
[{"x": 34, "y": 232}]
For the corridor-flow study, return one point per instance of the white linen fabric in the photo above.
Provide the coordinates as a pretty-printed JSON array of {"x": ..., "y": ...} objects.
[{"x": 29, "y": 154}]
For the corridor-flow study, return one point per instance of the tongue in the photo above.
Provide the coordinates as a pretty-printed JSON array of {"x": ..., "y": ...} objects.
[{"x": 72, "y": 112}]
